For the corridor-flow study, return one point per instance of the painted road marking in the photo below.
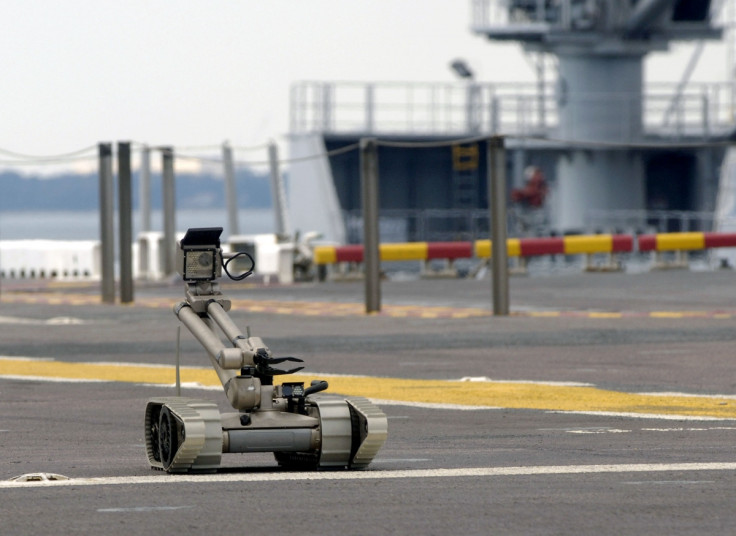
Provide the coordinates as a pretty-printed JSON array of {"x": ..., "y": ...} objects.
[
  {"x": 139, "y": 509},
  {"x": 439, "y": 393},
  {"x": 312, "y": 308},
  {"x": 55, "y": 321},
  {"x": 463, "y": 472},
  {"x": 604, "y": 430},
  {"x": 667, "y": 482}
]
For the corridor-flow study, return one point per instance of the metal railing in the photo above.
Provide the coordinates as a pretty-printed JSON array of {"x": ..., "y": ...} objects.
[
  {"x": 445, "y": 225},
  {"x": 560, "y": 14},
  {"x": 649, "y": 221},
  {"x": 450, "y": 109}
]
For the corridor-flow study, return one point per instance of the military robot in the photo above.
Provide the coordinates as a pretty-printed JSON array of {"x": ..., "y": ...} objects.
[{"x": 304, "y": 431}]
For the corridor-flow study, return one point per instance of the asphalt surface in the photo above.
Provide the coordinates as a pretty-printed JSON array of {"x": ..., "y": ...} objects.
[{"x": 506, "y": 468}]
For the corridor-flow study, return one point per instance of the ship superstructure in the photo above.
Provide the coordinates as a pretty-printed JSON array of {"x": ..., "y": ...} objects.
[{"x": 607, "y": 142}]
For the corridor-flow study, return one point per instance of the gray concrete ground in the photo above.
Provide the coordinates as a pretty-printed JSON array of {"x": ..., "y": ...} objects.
[{"x": 84, "y": 430}]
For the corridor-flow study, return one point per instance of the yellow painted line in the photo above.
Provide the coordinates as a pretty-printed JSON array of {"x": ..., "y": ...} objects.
[
  {"x": 604, "y": 315},
  {"x": 328, "y": 309},
  {"x": 667, "y": 314},
  {"x": 511, "y": 395},
  {"x": 114, "y": 372}
]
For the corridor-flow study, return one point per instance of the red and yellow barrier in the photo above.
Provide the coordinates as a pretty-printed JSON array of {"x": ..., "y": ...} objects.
[
  {"x": 530, "y": 247},
  {"x": 515, "y": 247},
  {"x": 686, "y": 241}
]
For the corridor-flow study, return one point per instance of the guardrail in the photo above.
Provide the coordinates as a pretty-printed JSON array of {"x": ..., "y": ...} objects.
[
  {"x": 520, "y": 248},
  {"x": 680, "y": 244}
]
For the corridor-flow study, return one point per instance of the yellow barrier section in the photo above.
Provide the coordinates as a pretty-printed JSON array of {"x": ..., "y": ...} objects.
[
  {"x": 483, "y": 248},
  {"x": 680, "y": 241},
  {"x": 588, "y": 244},
  {"x": 513, "y": 247},
  {"x": 325, "y": 255},
  {"x": 409, "y": 251}
]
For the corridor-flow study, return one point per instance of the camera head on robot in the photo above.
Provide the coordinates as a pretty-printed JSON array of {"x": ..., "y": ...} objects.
[{"x": 199, "y": 257}]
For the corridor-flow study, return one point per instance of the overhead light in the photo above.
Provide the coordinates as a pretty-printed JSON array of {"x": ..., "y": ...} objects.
[{"x": 461, "y": 69}]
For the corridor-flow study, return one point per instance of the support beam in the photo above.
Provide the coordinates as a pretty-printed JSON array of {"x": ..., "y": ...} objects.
[
  {"x": 646, "y": 12},
  {"x": 371, "y": 237},
  {"x": 144, "y": 195},
  {"x": 278, "y": 194},
  {"x": 125, "y": 222},
  {"x": 169, "y": 202},
  {"x": 497, "y": 206},
  {"x": 107, "y": 233},
  {"x": 231, "y": 197}
]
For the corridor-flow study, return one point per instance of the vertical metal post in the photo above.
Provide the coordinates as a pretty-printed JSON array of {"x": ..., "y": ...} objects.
[
  {"x": 541, "y": 90},
  {"x": 472, "y": 107},
  {"x": 497, "y": 206},
  {"x": 369, "y": 108},
  {"x": 371, "y": 238},
  {"x": 327, "y": 107},
  {"x": 125, "y": 222},
  {"x": 144, "y": 196},
  {"x": 277, "y": 191},
  {"x": 107, "y": 234},
  {"x": 495, "y": 115},
  {"x": 169, "y": 201},
  {"x": 231, "y": 197}
]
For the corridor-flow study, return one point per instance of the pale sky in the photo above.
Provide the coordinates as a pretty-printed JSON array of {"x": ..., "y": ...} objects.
[{"x": 198, "y": 72}]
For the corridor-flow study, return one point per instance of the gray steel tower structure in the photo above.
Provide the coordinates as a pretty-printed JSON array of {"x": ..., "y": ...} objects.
[{"x": 600, "y": 47}]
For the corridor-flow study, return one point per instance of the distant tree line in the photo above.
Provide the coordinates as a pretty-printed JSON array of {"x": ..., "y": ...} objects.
[{"x": 81, "y": 191}]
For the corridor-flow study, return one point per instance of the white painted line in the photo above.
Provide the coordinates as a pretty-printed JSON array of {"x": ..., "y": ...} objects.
[
  {"x": 25, "y": 358},
  {"x": 55, "y": 321},
  {"x": 599, "y": 431},
  {"x": 709, "y": 428},
  {"x": 667, "y": 482},
  {"x": 465, "y": 472},
  {"x": 689, "y": 395},
  {"x": 401, "y": 460},
  {"x": 142, "y": 509},
  {"x": 659, "y": 416},
  {"x": 486, "y": 379},
  {"x": 431, "y": 405},
  {"x": 49, "y": 379}
]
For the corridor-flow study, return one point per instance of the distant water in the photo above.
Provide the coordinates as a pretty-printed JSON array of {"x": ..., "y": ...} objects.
[{"x": 85, "y": 225}]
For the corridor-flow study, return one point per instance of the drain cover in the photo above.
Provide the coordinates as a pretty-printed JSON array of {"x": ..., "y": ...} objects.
[{"x": 39, "y": 477}]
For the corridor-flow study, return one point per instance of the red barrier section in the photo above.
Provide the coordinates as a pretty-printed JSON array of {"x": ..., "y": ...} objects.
[
  {"x": 449, "y": 250},
  {"x": 647, "y": 242},
  {"x": 720, "y": 240},
  {"x": 622, "y": 243},
  {"x": 541, "y": 246},
  {"x": 349, "y": 253}
]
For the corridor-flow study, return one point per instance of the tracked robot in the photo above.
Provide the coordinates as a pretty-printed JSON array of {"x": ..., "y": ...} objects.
[{"x": 303, "y": 430}]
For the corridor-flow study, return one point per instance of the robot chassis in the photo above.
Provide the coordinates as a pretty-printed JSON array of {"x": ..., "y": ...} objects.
[{"x": 303, "y": 431}]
